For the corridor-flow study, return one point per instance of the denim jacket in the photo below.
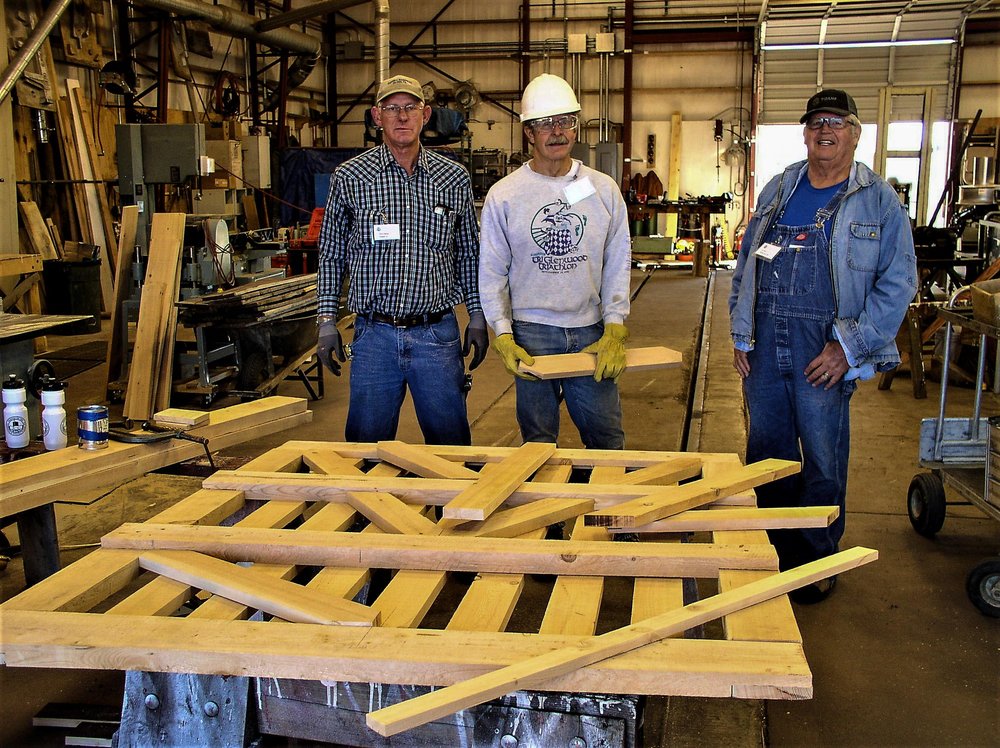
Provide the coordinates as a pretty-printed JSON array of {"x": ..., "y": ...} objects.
[{"x": 872, "y": 260}]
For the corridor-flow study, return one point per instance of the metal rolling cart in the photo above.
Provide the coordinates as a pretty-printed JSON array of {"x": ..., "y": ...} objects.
[{"x": 963, "y": 455}]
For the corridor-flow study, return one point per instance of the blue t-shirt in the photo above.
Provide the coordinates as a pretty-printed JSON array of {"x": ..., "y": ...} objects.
[{"x": 805, "y": 202}]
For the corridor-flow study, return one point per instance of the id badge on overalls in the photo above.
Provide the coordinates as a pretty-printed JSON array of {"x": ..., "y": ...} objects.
[{"x": 767, "y": 251}]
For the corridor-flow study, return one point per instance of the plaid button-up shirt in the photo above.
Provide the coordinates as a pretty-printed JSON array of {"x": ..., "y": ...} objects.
[{"x": 431, "y": 266}]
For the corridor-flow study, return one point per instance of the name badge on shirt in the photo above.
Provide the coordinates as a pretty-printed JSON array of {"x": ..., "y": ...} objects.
[
  {"x": 767, "y": 251},
  {"x": 385, "y": 232},
  {"x": 578, "y": 189}
]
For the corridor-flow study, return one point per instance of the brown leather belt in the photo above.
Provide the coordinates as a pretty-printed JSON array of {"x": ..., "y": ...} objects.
[{"x": 414, "y": 320}]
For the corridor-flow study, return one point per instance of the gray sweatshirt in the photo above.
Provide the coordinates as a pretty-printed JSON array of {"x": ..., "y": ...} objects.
[{"x": 554, "y": 250}]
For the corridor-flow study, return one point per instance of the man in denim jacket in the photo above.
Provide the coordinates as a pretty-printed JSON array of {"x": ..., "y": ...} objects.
[{"x": 825, "y": 274}]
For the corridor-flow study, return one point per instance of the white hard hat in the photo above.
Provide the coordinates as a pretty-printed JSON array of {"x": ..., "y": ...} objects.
[{"x": 547, "y": 95}]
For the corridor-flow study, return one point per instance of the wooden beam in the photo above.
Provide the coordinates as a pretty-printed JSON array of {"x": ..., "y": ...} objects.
[
  {"x": 391, "y": 515},
  {"x": 19, "y": 265},
  {"x": 38, "y": 234},
  {"x": 104, "y": 575},
  {"x": 304, "y": 651},
  {"x": 562, "y": 365},
  {"x": 511, "y": 523},
  {"x": 667, "y": 472},
  {"x": 421, "y": 461},
  {"x": 479, "y": 500},
  {"x": 534, "y": 671},
  {"x": 741, "y": 518},
  {"x": 443, "y": 552},
  {"x": 255, "y": 589},
  {"x": 672, "y": 500},
  {"x": 124, "y": 260}
]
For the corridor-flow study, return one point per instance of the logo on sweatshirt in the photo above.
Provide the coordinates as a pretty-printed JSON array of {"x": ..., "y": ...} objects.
[{"x": 558, "y": 232}]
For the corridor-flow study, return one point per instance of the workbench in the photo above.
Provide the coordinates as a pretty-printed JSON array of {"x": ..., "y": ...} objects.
[{"x": 323, "y": 523}]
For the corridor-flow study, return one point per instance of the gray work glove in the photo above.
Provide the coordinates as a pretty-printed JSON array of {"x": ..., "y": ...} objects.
[
  {"x": 476, "y": 338},
  {"x": 330, "y": 346}
]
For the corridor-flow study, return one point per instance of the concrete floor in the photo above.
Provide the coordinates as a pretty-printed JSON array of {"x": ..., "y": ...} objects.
[{"x": 899, "y": 655}]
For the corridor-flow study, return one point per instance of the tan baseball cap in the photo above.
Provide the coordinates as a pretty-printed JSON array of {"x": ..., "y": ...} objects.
[{"x": 399, "y": 84}]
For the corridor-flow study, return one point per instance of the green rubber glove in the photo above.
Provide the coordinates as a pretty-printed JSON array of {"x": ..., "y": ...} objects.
[
  {"x": 610, "y": 350},
  {"x": 511, "y": 353}
]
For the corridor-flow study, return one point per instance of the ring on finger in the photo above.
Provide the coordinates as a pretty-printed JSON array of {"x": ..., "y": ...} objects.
[{"x": 826, "y": 375}]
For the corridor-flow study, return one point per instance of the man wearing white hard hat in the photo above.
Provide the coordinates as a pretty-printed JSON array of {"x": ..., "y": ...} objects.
[
  {"x": 401, "y": 224},
  {"x": 554, "y": 273}
]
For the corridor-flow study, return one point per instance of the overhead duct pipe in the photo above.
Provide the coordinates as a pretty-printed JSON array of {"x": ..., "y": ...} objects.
[{"x": 31, "y": 46}]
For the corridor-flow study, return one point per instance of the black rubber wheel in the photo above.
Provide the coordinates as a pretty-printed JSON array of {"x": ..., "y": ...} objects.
[
  {"x": 925, "y": 504},
  {"x": 983, "y": 586}
]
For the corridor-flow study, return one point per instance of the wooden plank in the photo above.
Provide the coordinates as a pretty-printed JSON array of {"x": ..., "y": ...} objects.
[
  {"x": 392, "y": 515},
  {"x": 667, "y": 472},
  {"x": 488, "y": 603},
  {"x": 421, "y": 461},
  {"x": 562, "y": 365},
  {"x": 552, "y": 473},
  {"x": 80, "y": 586},
  {"x": 511, "y": 523},
  {"x": 19, "y": 265},
  {"x": 204, "y": 506},
  {"x": 55, "y": 234},
  {"x": 252, "y": 588},
  {"x": 93, "y": 161},
  {"x": 534, "y": 671},
  {"x": 387, "y": 655},
  {"x": 38, "y": 234},
  {"x": 39, "y": 479},
  {"x": 434, "y": 491},
  {"x": 149, "y": 353},
  {"x": 675, "y": 499},
  {"x": 479, "y": 500},
  {"x": 653, "y": 597},
  {"x": 279, "y": 460},
  {"x": 124, "y": 260},
  {"x": 741, "y": 518},
  {"x": 771, "y": 620},
  {"x": 91, "y": 201},
  {"x": 180, "y": 417},
  {"x": 674, "y": 173},
  {"x": 71, "y": 162},
  {"x": 330, "y": 464},
  {"x": 575, "y": 602},
  {"x": 444, "y": 552}
]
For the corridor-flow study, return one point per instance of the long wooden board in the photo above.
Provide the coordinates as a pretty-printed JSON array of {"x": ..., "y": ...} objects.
[
  {"x": 444, "y": 552},
  {"x": 38, "y": 234},
  {"x": 124, "y": 260},
  {"x": 565, "y": 365},
  {"x": 531, "y": 672},
  {"x": 491, "y": 489}
]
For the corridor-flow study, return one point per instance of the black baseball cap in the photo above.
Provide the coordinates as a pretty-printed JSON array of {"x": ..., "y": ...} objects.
[{"x": 830, "y": 100}]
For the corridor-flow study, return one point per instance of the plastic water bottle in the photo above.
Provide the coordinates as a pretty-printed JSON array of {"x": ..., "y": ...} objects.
[
  {"x": 53, "y": 413},
  {"x": 15, "y": 414}
]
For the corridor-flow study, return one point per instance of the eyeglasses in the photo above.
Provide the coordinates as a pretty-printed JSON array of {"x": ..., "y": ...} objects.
[
  {"x": 833, "y": 122},
  {"x": 548, "y": 124},
  {"x": 394, "y": 110}
]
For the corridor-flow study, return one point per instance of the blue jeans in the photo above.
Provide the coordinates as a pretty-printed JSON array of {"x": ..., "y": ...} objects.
[
  {"x": 594, "y": 406},
  {"x": 792, "y": 420},
  {"x": 427, "y": 359}
]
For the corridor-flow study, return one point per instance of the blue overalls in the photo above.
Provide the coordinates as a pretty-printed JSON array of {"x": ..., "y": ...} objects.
[{"x": 789, "y": 418}]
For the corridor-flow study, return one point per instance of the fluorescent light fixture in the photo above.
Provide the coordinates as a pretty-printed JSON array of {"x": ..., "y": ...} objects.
[{"x": 858, "y": 45}]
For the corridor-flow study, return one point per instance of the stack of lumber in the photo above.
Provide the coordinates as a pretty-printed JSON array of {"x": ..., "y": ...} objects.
[
  {"x": 497, "y": 504},
  {"x": 267, "y": 300}
]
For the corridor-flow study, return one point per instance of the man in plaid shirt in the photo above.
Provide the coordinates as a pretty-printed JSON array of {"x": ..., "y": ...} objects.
[{"x": 401, "y": 224}]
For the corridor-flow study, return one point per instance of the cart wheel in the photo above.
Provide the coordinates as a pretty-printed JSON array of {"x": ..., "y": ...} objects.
[
  {"x": 983, "y": 586},
  {"x": 925, "y": 504}
]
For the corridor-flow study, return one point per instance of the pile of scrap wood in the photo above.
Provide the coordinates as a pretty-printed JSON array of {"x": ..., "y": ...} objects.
[
  {"x": 280, "y": 536},
  {"x": 267, "y": 300}
]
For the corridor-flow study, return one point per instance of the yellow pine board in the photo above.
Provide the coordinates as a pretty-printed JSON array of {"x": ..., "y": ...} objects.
[
  {"x": 205, "y": 506},
  {"x": 38, "y": 234},
  {"x": 20, "y": 264},
  {"x": 479, "y": 500},
  {"x": 743, "y": 518},
  {"x": 436, "y": 491},
  {"x": 392, "y": 515},
  {"x": 382, "y": 470},
  {"x": 274, "y": 649},
  {"x": 772, "y": 620},
  {"x": 575, "y": 602},
  {"x": 671, "y": 500},
  {"x": 256, "y": 589},
  {"x": 81, "y": 585},
  {"x": 537, "y": 670},
  {"x": 180, "y": 417},
  {"x": 406, "y": 599},
  {"x": 330, "y": 464},
  {"x": 550, "y": 473},
  {"x": 510, "y": 523},
  {"x": 488, "y": 603},
  {"x": 421, "y": 461},
  {"x": 562, "y": 365},
  {"x": 444, "y": 552},
  {"x": 653, "y": 597},
  {"x": 277, "y": 460},
  {"x": 667, "y": 472}
]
